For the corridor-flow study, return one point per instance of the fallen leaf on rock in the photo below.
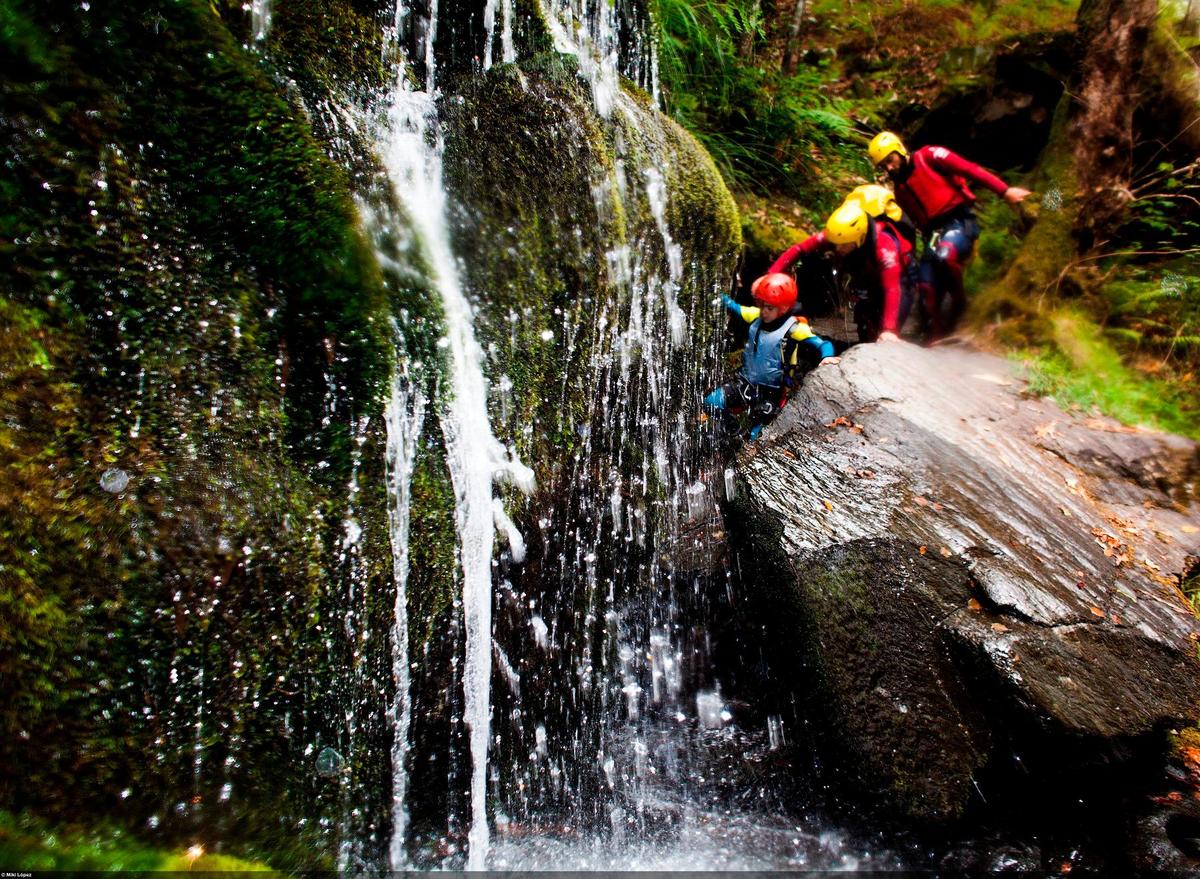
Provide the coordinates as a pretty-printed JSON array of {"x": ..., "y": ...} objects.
[
  {"x": 840, "y": 421},
  {"x": 865, "y": 474},
  {"x": 828, "y": 505},
  {"x": 1191, "y": 756},
  {"x": 787, "y": 454},
  {"x": 1173, "y": 797},
  {"x": 920, "y": 501},
  {"x": 974, "y": 605},
  {"x": 1116, "y": 619},
  {"x": 938, "y": 507},
  {"x": 921, "y": 550},
  {"x": 945, "y": 551},
  {"x": 1065, "y": 512},
  {"x": 1097, "y": 612},
  {"x": 1016, "y": 658},
  {"x": 999, "y": 628},
  {"x": 857, "y": 428},
  {"x": 1046, "y": 429},
  {"x": 1189, "y": 529}
]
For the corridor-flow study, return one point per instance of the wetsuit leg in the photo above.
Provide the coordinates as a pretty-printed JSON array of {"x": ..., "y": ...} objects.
[
  {"x": 767, "y": 404},
  {"x": 866, "y": 317},
  {"x": 733, "y": 397},
  {"x": 955, "y": 241},
  {"x": 929, "y": 294},
  {"x": 908, "y": 291}
]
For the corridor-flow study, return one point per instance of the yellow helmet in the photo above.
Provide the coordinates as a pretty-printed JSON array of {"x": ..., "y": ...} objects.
[
  {"x": 847, "y": 225},
  {"x": 876, "y": 200},
  {"x": 883, "y": 145}
]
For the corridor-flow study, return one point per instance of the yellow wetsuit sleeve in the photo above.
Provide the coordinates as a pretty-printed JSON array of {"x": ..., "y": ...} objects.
[
  {"x": 801, "y": 331},
  {"x": 750, "y": 313}
]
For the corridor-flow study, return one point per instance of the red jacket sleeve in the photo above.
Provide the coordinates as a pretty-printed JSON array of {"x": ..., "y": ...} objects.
[
  {"x": 887, "y": 256},
  {"x": 811, "y": 244},
  {"x": 949, "y": 164}
]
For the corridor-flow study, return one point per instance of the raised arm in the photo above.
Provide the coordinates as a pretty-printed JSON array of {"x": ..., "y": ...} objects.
[
  {"x": 950, "y": 163},
  {"x": 748, "y": 313},
  {"x": 888, "y": 258},
  {"x": 811, "y": 244}
]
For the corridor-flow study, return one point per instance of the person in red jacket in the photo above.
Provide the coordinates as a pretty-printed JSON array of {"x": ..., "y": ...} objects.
[
  {"x": 878, "y": 259},
  {"x": 931, "y": 186}
]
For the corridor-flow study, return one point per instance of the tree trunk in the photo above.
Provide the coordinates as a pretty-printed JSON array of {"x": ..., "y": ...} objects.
[
  {"x": 791, "y": 57},
  {"x": 1113, "y": 35}
]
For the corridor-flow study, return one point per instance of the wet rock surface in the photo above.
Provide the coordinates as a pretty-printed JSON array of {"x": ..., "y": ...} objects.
[{"x": 972, "y": 573}]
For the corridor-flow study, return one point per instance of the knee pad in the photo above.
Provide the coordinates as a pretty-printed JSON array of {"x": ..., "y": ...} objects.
[{"x": 946, "y": 253}]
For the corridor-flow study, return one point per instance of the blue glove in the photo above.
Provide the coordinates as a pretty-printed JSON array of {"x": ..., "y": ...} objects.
[{"x": 730, "y": 303}]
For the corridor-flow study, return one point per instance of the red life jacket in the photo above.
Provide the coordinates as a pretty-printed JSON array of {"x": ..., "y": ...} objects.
[{"x": 927, "y": 193}]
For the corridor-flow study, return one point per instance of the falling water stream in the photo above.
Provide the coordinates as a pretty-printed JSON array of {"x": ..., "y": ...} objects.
[
  {"x": 405, "y": 418},
  {"x": 642, "y": 746},
  {"x": 411, "y": 147}
]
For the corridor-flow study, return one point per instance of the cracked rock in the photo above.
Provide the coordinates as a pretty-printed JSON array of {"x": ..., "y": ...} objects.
[{"x": 1008, "y": 572}]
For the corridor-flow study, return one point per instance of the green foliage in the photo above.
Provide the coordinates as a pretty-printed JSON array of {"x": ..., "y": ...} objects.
[
  {"x": 997, "y": 246},
  {"x": 765, "y": 130},
  {"x": 1165, "y": 215},
  {"x": 1084, "y": 370},
  {"x": 27, "y": 843},
  {"x": 189, "y": 299}
]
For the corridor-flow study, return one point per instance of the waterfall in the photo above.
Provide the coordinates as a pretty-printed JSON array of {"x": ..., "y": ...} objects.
[
  {"x": 411, "y": 148},
  {"x": 591, "y": 36},
  {"x": 405, "y": 417},
  {"x": 508, "y": 52},
  {"x": 260, "y": 20}
]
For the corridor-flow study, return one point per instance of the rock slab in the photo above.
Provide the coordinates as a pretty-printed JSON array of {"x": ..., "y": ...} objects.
[{"x": 968, "y": 566}]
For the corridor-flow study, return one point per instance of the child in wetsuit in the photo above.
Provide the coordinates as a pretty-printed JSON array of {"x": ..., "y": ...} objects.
[{"x": 779, "y": 345}]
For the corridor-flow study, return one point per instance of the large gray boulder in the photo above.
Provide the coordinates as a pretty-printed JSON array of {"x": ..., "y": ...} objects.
[{"x": 963, "y": 562}]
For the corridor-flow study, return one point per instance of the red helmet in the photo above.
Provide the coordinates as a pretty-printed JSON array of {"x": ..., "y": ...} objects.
[{"x": 776, "y": 289}]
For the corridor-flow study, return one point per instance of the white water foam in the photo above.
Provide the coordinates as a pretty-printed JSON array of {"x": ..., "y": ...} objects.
[
  {"x": 405, "y": 418},
  {"x": 260, "y": 20},
  {"x": 411, "y": 148}
]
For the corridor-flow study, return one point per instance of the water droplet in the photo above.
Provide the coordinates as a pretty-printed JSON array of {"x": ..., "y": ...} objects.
[
  {"x": 114, "y": 480},
  {"x": 329, "y": 763}
]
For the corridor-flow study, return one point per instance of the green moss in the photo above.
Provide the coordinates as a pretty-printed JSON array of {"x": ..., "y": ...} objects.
[
  {"x": 27, "y": 843},
  {"x": 772, "y": 225},
  {"x": 1084, "y": 370},
  {"x": 329, "y": 46},
  {"x": 533, "y": 243},
  {"x": 192, "y": 303},
  {"x": 1044, "y": 267}
]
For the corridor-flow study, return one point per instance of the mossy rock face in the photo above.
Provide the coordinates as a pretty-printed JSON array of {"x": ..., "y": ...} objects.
[
  {"x": 195, "y": 354},
  {"x": 545, "y": 189},
  {"x": 875, "y": 681},
  {"x": 601, "y": 338},
  {"x": 196, "y": 350}
]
